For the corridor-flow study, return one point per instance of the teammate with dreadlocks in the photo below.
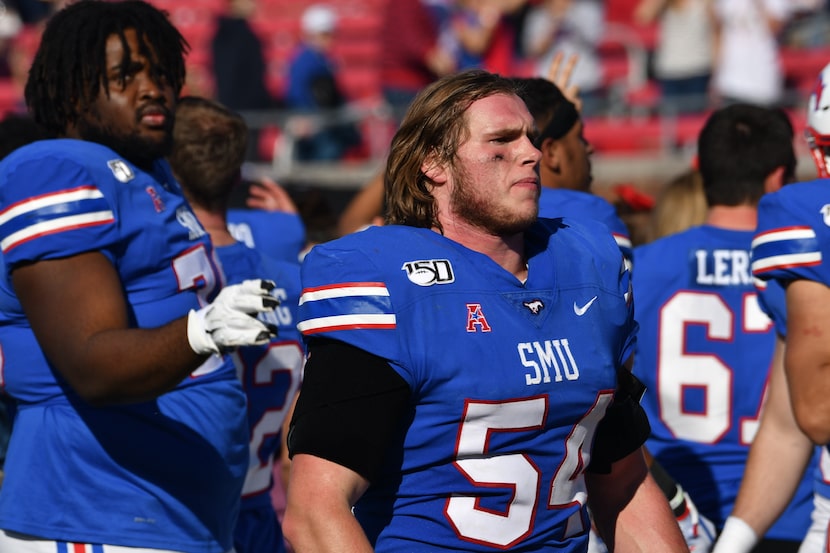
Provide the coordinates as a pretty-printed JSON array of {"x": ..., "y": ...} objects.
[{"x": 131, "y": 426}]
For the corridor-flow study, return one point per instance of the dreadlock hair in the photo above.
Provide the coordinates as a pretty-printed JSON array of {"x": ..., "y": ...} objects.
[
  {"x": 209, "y": 144},
  {"x": 69, "y": 68}
]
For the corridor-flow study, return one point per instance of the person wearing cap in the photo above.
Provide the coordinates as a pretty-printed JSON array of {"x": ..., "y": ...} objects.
[{"x": 312, "y": 88}]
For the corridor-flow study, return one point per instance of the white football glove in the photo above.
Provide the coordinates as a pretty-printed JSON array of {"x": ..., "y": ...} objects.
[
  {"x": 698, "y": 530},
  {"x": 230, "y": 321}
]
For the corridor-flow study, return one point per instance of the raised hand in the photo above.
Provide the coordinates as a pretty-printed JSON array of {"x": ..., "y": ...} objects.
[
  {"x": 560, "y": 75},
  {"x": 269, "y": 196}
]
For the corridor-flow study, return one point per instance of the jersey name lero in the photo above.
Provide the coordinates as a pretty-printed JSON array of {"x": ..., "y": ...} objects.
[{"x": 722, "y": 268}]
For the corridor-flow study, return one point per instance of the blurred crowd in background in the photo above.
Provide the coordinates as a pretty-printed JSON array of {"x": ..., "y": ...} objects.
[
  {"x": 344, "y": 69},
  {"x": 324, "y": 83}
]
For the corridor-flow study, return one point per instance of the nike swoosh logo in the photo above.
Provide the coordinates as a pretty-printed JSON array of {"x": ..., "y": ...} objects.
[{"x": 581, "y": 310}]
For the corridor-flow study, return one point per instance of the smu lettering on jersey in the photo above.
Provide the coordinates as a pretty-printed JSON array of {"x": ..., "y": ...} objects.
[
  {"x": 575, "y": 204},
  {"x": 791, "y": 243},
  {"x": 66, "y": 197},
  {"x": 704, "y": 352},
  {"x": 509, "y": 379}
]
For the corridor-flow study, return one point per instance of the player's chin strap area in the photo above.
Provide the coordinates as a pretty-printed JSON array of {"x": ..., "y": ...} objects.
[{"x": 818, "y": 145}]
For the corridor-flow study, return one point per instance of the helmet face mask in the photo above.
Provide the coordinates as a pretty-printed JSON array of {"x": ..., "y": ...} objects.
[
  {"x": 819, "y": 150},
  {"x": 817, "y": 132}
]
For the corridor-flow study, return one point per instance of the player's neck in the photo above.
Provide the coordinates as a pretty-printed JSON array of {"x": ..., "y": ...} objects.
[
  {"x": 507, "y": 252},
  {"x": 216, "y": 225},
  {"x": 737, "y": 217}
]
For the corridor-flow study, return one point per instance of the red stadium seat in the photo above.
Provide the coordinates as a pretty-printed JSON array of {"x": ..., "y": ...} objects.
[{"x": 802, "y": 65}]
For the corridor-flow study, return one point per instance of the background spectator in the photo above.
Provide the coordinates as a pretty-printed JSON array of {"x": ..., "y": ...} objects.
[
  {"x": 680, "y": 205},
  {"x": 313, "y": 88},
  {"x": 239, "y": 66},
  {"x": 412, "y": 56},
  {"x": 748, "y": 68},
  {"x": 684, "y": 53},
  {"x": 569, "y": 27}
]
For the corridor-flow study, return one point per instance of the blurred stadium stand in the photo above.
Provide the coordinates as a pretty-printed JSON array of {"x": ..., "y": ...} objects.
[{"x": 632, "y": 141}]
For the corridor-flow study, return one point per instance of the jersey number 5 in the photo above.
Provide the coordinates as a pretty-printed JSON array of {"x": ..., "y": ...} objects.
[{"x": 517, "y": 471}]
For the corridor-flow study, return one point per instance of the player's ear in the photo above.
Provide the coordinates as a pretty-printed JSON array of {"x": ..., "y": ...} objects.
[
  {"x": 433, "y": 170},
  {"x": 550, "y": 153},
  {"x": 775, "y": 180}
]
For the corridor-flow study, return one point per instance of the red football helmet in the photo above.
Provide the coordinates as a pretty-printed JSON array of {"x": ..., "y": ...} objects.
[{"x": 817, "y": 132}]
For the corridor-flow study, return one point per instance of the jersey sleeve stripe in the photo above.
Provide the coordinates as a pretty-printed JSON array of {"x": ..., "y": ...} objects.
[
  {"x": 54, "y": 200},
  {"x": 55, "y": 226},
  {"x": 785, "y": 248},
  {"x": 786, "y": 261},
  {"x": 381, "y": 321},
  {"x": 782, "y": 234},
  {"x": 343, "y": 290},
  {"x": 52, "y": 213},
  {"x": 346, "y": 306},
  {"x": 622, "y": 240}
]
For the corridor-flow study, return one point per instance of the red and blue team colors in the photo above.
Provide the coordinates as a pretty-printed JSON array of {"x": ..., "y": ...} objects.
[
  {"x": 510, "y": 377},
  {"x": 704, "y": 352},
  {"x": 270, "y": 375},
  {"x": 165, "y": 473},
  {"x": 792, "y": 242}
]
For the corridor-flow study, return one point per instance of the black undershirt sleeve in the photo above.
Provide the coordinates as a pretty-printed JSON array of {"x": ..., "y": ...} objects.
[
  {"x": 350, "y": 405},
  {"x": 625, "y": 427}
]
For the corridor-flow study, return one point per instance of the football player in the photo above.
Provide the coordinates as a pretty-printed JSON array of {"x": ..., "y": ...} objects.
[
  {"x": 130, "y": 429},
  {"x": 780, "y": 258},
  {"x": 209, "y": 144},
  {"x": 467, "y": 386},
  {"x": 706, "y": 348},
  {"x": 565, "y": 166}
]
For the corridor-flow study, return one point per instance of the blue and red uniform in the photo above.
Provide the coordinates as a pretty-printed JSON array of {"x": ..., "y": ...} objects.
[
  {"x": 508, "y": 379},
  {"x": 165, "y": 473}
]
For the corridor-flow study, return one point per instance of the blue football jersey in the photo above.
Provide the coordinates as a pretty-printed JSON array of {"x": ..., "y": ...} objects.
[
  {"x": 274, "y": 233},
  {"x": 575, "y": 204},
  {"x": 165, "y": 473},
  {"x": 792, "y": 242},
  {"x": 773, "y": 302},
  {"x": 704, "y": 352},
  {"x": 508, "y": 379},
  {"x": 271, "y": 375}
]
